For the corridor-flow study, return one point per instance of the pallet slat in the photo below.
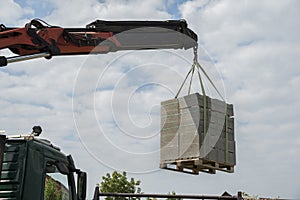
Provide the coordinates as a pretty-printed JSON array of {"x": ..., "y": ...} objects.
[{"x": 196, "y": 165}]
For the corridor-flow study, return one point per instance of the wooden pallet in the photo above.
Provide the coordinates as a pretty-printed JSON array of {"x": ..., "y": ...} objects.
[{"x": 196, "y": 165}]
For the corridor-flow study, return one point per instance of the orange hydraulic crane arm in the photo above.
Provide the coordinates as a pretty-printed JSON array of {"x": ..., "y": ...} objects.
[{"x": 39, "y": 39}]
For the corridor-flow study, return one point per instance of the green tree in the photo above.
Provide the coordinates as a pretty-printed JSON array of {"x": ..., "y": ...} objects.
[
  {"x": 118, "y": 183},
  {"x": 51, "y": 190}
]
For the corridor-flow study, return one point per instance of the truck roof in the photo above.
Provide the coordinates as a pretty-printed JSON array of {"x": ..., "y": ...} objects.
[{"x": 31, "y": 137}]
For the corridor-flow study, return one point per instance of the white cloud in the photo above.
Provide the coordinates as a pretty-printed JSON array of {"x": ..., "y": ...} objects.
[
  {"x": 12, "y": 12},
  {"x": 68, "y": 13}
]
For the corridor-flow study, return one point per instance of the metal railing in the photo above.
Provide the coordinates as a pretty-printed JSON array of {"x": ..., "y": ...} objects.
[{"x": 97, "y": 196}]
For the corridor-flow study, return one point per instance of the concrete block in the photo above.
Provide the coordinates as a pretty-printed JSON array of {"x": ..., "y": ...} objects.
[
  {"x": 168, "y": 153},
  {"x": 223, "y": 135},
  {"x": 231, "y": 146},
  {"x": 170, "y": 124},
  {"x": 168, "y": 102},
  {"x": 169, "y": 118},
  {"x": 205, "y": 149},
  {"x": 221, "y": 156},
  {"x": 230, "y": 110},
  {"x": 230, "y": 123},
  {"x": 221, "y": 144},
  {"x": 169, "y": 139},
  {"x": 194, "y": 100},
  {"x": 231, "y": 158},
  {"x": 172, "y": 106},
  {"x": 195, "y": 112},
  {"x": 170, "y": 144},
  {"x": 218, "y": 105},
  {"x": 169, "y": 112},
  {"x": 188, "y": 150},
  {"x": 218, "y": 118},
  {"x": 187, "y": 128},
  {"x": 169, "y": 107},
  {"x": 211, "y": 141},
  {"x": 189, "y": 137},
  {"x": 190, "y": 118},
  {"x": 214, "y": 131},
  {"x": 172, "y": 130},
  {"x": 230, "y": 135},
  {"x": 212, "y": 155}
]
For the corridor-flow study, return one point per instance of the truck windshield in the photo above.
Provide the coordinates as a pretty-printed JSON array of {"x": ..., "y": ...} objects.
[{"x": 56, "y": 184}]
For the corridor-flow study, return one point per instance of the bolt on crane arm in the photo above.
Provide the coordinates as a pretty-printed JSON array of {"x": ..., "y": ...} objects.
[{"x": 39, "y": 39}]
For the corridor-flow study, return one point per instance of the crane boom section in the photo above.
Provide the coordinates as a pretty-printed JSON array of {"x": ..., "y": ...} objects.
[{"x": 98, "y": 37}]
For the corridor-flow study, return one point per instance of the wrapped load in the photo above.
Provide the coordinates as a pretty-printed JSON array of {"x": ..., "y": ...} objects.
[{"x": 197, "y": 134}]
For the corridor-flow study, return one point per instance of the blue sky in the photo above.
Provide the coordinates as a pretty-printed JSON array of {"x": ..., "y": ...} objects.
[{"x": 98, "y": 111}]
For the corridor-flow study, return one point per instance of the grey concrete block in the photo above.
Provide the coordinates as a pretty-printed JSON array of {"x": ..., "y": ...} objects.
[
  {"x": 175, "y": 117},
  {"x": 188, "y": 118},
  {"x": 221, "y": 144},
  {"x": 223, "y": 134},
  {"x": 195, "y": 112},
  {"x": 187, "y": 135},
  {"x": 230, "y": 135},
  {"x": 230, "y": 110},
  {"x": 165, "y": 112},
  {"x": 188, "y": 138},
  {"x": 218, "y": 119},
  {"x": 171, "y": 130},
  {"x": 171, "y": 105},
  {"x": 212, "y": 155},
  {"x": 231, "y": 146},
  {"x": 170, "y": 142},
  {"x": 168, "y": 153},
  {"x": 170, "y": 124},
  {"x": 217, "y": 125},
  {"x": 230, "y": 123},
  {"x": 168, "y": 102},
  {"x": 167, "y": 138},
  {"x": 221, "y": 156},
  {"x": 205, "y": 149},
  {"x": 228, "y": 130},
  {"x": 211, "y": 141},
  {"x": 169, "y": 108},
  {"x": 167, "y": 122},
  {"x": 188, "y": 150},
  {"x": 187, "y": 128},
  {"x": 219, "y": 106},
  {"x": 194, "y": 100},
  {"x": 231, "y": 158}
]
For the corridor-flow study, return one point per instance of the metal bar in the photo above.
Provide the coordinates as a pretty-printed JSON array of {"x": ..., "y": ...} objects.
[
  {"x": 2, "y": 147},
  {"x": 27, "y": 57},
  {"x": 170, "y": 196}
]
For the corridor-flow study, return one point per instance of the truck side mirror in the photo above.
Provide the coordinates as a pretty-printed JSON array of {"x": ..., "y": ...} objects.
[{"x": 81, "y": 185}]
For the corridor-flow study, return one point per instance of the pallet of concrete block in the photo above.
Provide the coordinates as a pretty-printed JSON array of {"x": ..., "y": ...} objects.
[{"x": 197, "y": 135}]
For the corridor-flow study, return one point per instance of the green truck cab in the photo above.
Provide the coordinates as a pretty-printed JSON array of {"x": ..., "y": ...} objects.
[{"x": 35, "y": 169}]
